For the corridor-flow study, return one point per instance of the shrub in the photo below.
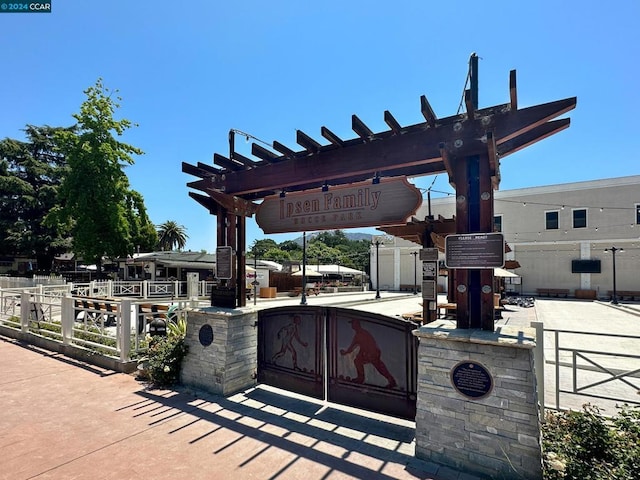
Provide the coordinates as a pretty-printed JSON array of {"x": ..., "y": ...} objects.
[
  {"x": 587, "y": 445},
  {"x": 165, "y": 356}
]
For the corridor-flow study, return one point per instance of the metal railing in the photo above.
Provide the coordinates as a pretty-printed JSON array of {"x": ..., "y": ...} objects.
[{"x": 610, "y": 372}]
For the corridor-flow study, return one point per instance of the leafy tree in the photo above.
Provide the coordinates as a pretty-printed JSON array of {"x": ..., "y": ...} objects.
[
  {"x": 277, "y": 255},
  {"x": 332, "y": 239},
  {"x": 290, "y": 246},
  {"x": 171, "y": 235},
  {"x": 31, "y": 172},
  {"x": 105, "y": 216},
  {"x": 260, "y": 247}
]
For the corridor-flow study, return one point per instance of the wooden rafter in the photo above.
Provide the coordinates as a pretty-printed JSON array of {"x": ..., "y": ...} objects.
[
  {"x": 264, "y": 154},
  {"x": 513, "y": 91},
  {"x": 361, "y": 129},
  {"x": 307, "y": 142},
  {"x": 427, "y": 112},
  {"x": 414, "y": 150},
  {"x": 392, "y": 122},
  {"x": 332, "y": 137},
  {"x": 283, "y": 149}
]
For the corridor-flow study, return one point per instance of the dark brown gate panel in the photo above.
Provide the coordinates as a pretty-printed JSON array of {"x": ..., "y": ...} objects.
[
  {"x": 290, "y": 352},
  {"x": 372, "y": 362}
]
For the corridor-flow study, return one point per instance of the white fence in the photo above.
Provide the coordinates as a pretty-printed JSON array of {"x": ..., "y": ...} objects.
[
  {"x": 115, "y": 328},
  {"x": 22, "y": 282}
]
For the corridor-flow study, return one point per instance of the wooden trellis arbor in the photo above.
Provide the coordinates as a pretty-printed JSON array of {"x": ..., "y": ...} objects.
[{"x": 468, "y": 147}]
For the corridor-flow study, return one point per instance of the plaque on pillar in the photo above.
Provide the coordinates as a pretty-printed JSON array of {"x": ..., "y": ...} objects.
[
  {"x": 429, "y": 290},
  {"x": 429, "y": 254}
]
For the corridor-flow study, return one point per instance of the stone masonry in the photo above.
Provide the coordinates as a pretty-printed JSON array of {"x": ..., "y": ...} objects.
[
  {"x": 229, "y": 363},
  {"x": 497, "y": 436}
]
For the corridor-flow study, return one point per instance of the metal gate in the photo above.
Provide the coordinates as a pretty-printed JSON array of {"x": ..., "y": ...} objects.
[{"x": 345, "y": 356}]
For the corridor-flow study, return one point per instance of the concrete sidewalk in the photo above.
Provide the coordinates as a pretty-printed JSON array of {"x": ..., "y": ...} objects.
[{"x": 61, "y": 419}]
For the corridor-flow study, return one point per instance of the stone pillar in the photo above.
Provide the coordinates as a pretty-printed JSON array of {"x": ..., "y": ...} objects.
[
  {"x": 223, "y": 354},
  {"x": 485, "y": 428}
]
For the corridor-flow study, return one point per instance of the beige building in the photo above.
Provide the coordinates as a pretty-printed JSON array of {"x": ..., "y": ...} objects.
[{"x": 561, "y": 235}]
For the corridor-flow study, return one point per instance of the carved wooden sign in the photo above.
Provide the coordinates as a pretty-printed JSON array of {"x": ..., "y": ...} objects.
[{"x": 363, "y": 204}]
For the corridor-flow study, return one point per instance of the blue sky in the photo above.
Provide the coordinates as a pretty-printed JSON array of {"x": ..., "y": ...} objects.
[{"x": 189, "y": 73}]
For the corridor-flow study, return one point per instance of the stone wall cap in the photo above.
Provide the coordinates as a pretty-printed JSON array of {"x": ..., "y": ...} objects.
[
  {"x": 225, "y": 311},
  {"x": 503, "y": 336}
]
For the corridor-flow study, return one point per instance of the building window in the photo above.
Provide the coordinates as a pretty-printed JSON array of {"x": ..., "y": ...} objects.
[
  {"x": 551, "y": 220},
  {"x": 497, "y": 223},
  {"x": 637, "y": 213},
  {"x": 580, "y": 218}
]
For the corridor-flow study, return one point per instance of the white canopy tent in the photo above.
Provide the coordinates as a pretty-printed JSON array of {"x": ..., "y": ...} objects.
[{"x": 501, "y": 272}]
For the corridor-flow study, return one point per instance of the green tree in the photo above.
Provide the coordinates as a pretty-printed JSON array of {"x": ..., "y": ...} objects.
[
  {"x": 31, "y": 172},
  {"x": 277, "y": 255},
  {"x": 260, "y": 247},
  {"x": 171, "y": 235},
  {"x": 105, "y": 216}
]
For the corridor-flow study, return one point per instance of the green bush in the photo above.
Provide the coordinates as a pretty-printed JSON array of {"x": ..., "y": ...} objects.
[
  {"x": 587, "y": 445},
  {"x": 165, "y": 359}
]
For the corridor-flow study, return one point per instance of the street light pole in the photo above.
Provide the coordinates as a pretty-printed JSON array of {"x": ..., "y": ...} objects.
[
  {"x": 377, "y": 244},
  {"x": 415, "y": 272},
  {"x": 613, "y": 250},
  {"x": 303, "y": 300},
  {"x": 255, "y": 277}
]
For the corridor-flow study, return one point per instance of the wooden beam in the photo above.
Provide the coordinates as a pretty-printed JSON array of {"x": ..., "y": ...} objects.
[
  {"x": 525, "y": 119},
  {"x": 392, "y": 122},
  {"x": 332, "y": 137},
  {"x": 447, "y": 164},
  {"x": 395, "y": 153},
  {"x": 494, "y": 161},
  {"x": 210, "y": 169},
  {"x": 468, "y": 101},
  {"x": 414, "y": 153},
  {"x": 532, "y": 136},
  {"x": 361, "y": 129},
  {"x": 224, "y": 162},
  {"x": 237, "y": 206},
  {"x": 242, "y": 160},
  {"x": 264, "y": 154},
  {"x": 207, "y": 202},
  {"x": 198, "y": 171},
  {"x": 427, "y": 112},
  {"x": 307, "y": 142},
  {"x": 283, "y": 149},
  {"x": 513, "y": 91}
]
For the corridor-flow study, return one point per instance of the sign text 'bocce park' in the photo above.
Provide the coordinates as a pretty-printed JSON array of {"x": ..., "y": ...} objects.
[{"x": 363, "y": 204}]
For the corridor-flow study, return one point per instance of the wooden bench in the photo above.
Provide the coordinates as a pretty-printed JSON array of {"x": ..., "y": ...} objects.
[
  {"x": 99, "y": 311},
  {"x": 553, "y": 292},
  {"x": 413, "y": 316},
  {"x": 298, "y": 291},
  {"x": 450, "y": 310},
  {"x": 625, "y": 294},
  {"x": 150, "y": 311}
]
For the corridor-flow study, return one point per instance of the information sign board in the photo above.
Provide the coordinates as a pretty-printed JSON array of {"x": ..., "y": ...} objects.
[
  {"x": 474, "y": 250},
  {"x": 224, "y": 257}
]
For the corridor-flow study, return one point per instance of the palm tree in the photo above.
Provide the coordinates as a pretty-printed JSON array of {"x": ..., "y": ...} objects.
[{"x": 171, "y": 235}]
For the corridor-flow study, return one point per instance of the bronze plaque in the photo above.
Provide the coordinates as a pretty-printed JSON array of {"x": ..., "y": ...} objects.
[
  {"x": 471, "y": 379},
  {"x": 362, "y": 204}
]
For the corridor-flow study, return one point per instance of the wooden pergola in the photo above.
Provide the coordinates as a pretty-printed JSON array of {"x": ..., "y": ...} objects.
[{"x": 467, "y": 146}]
